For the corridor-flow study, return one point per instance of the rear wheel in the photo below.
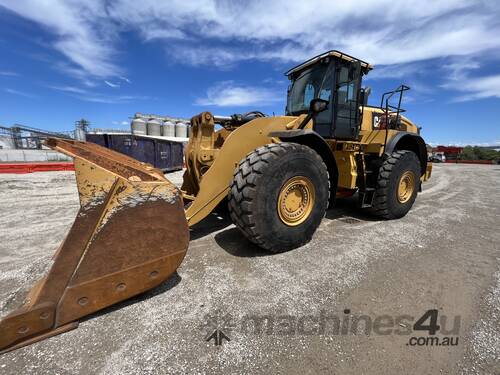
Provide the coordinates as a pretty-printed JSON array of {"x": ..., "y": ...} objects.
[
  {"x": 279, "y": 195},
  {"x": 397, "y": 185}
]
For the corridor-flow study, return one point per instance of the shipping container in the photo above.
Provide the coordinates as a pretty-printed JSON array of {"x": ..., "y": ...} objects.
[{"x": 161, "y": 153}]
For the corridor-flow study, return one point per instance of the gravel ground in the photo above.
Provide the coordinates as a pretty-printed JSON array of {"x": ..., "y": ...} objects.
[{"x": 443, "y": 255}]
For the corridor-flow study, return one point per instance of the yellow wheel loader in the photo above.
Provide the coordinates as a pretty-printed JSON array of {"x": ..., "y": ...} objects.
[{"x": 278, "y": 175}]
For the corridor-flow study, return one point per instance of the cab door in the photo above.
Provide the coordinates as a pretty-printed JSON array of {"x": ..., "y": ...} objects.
[{"x": 346, "y": 117}]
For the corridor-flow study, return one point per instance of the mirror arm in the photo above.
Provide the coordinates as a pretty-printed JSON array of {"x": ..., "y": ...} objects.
[
  {"x": 313, "y": 111},
  {"x": 305, "y": 121}
]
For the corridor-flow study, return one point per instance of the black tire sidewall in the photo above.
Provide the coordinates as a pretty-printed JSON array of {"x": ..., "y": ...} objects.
[
  {"x": 407, "y": 162},
  {"x": 277, "y": 173}
]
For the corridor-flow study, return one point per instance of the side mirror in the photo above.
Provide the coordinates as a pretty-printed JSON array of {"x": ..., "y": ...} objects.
[
  {"x": 318, "y": 105},
  {"x": 364, "y": 94},
  {"x": 315, "y": 106}
]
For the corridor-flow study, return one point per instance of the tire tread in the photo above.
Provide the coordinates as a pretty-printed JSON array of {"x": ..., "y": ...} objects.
[{"x": 243, "y": 192}]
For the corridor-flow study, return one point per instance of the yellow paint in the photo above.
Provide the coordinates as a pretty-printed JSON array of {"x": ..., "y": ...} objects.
[
  {"x": 296, "y": 200},
  {"x": 428, "y": 172},
  {"x": 215, "y": 182},
  {"x": 374, "y": 139},
  {"x": 93, "y": 182},
  {"x": 346, "y": 164},
  {"x": 406, "y": 187},
  {"x": 212, "y": 157}
]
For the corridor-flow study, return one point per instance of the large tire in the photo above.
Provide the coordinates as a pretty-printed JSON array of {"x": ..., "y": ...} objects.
[
  {"x": 257, "y": 183},
  {"x": 387, "y": 203}
]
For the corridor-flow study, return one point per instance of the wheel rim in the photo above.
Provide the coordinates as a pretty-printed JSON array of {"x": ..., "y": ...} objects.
[
  {"x": 406, "y": 186},
  {"x": 296, "y": 200}
]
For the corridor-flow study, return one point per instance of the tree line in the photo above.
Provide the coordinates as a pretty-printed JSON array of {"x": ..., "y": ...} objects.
[{"x": 479, "y": 153}]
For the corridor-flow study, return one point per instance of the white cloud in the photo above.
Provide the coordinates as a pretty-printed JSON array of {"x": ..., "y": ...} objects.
[
  {"x": 221, "y": 33},
  {"x": 82, "y": 31},
  {"x": 228, "y": 93},
  {"x": 8, "y": 73},
  {"x": 121, "y": 123},
  {"x": 76, "y": 72},
  {"x": 395, "y": 71},
  {"x": 109, "y": 99},
  {"x": 197, "y": 55},
  {"x": 71, "y": 89},
  {"x": 96, "y": 97},
  {"x": 476, "y": 88},
  {"x": 174, "y": 19},
  {"x": 403, "y": 32},
  {"x": 19, "y": 93},
  {"x": 459, "y": 68},
  {"x": 460, "y": 78},
  {"x": 111, "y": 84},
  {"x": 156, "y": 33}
]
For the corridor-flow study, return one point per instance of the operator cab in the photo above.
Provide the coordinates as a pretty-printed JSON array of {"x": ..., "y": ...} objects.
[{"x": 336, "y": 78}]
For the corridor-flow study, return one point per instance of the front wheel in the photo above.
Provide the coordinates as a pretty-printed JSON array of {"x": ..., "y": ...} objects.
[{"x": 279, "y": 195}]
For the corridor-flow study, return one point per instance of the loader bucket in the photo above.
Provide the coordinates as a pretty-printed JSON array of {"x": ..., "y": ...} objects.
[{"x": 130, "y": 235}]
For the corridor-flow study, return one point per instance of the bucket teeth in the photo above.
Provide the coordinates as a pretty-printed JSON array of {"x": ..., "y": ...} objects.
[{"x": 129, "y": 236}]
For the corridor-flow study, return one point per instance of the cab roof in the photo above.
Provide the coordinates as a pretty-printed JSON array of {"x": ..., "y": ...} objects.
[{"x": 333, "y": 53}]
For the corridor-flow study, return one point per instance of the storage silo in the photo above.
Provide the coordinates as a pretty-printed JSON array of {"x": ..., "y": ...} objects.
[
  {"x": 168, "y": 129},
  {"x": 80, "y": 134},
  {"x": 138, "y": 126},
  {"x": 181, "y": 130},
  {"x": 154, "y": 127},
  {"x": 81, "y": 128}
]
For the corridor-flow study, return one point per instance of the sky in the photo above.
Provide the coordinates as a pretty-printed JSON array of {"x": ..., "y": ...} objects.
[{"x": 105, "y": 60}]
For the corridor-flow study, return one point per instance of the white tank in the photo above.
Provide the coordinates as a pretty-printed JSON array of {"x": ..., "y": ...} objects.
[
  {"x": 168, "y": 129},
  {"x": 80, "y": 134},
  {"x": 154, "y": 127},
  {"x": 138, "y": 126},
  {"x": 181, "y": 130}
]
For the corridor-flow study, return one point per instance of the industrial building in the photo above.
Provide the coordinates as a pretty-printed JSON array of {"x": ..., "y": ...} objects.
[{"x": 154, "y": 139}]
